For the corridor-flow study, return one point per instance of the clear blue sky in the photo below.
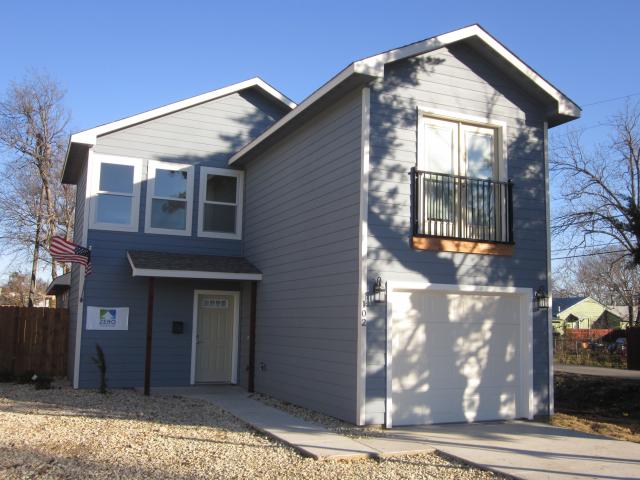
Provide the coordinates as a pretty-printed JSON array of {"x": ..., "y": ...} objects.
[{"x": 117, "y": 58}]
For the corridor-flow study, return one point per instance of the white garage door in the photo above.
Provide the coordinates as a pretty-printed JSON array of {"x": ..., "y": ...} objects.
[{"x": 456, "y": 357}]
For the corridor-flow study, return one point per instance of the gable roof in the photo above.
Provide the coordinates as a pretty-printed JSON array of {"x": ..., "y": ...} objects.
[
  {"x": 366, "y": 69},
  {"x": 561, "y": 304},
  {"x": 80, "y": 142}
]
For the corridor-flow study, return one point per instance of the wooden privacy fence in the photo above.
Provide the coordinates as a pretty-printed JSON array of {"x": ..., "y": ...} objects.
[{"x": 34, "y": 340}]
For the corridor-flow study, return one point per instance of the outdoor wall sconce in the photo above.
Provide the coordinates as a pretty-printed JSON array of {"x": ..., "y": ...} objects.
[
  {"x": 379, "y": 291},
  {"x": 542, "y": 299}
]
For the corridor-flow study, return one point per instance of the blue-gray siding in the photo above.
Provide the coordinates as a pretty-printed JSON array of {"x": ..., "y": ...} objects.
[
  {"x": 301, "y": 231},
  {"x": 206, "y": 134},
  {"x": 454, "y": 79}
]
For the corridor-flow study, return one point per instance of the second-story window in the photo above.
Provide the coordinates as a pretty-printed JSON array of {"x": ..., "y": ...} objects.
[
  {"x": 169, "y": 198},
  {"x": 220, "y": 203},
  {"x": 457, "y": 148},
  {"x": 115, "y": 193}
]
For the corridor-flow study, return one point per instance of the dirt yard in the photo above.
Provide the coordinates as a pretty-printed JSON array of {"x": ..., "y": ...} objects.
[
  {"x": 606, "y": 406},
  {"x": 64, "y": 433}
]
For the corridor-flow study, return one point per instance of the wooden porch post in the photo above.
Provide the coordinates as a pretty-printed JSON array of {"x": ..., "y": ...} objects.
[
  {"x": 147, "y": 360},
  {"x": 252, "y": 337}
]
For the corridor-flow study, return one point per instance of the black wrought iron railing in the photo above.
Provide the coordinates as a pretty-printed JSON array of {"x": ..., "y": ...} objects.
[{"x": 463, "y": 208}]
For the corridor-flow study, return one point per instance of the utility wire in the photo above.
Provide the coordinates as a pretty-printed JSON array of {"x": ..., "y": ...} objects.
[
  {"x": 611, "y": 99},
  {"x": 587, "y": 254}
]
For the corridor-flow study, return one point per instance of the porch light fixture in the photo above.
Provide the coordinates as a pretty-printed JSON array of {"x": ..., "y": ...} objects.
[
  {"x": 379, "y": 291},
  {"x": 542, "y": 299}
]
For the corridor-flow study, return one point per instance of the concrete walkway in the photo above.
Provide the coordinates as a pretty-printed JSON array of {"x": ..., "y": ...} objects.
[
  {"x": 525, "y": 450},
  {"x": 531, "y": 450},
  {"x": 308, "y": 438},
  {"x": 599, "y": 371}
]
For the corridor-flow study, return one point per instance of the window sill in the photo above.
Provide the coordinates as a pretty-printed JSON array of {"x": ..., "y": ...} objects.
[{"x": 436, "y": 244}]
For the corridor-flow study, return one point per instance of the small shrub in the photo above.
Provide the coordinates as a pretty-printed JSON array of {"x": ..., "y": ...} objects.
[
  {"x": 42, "y": 382},
  {"x": 101, "y": 363}
]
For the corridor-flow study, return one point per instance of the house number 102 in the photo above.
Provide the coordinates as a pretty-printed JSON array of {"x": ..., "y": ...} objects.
[{"x": 363, "y": 314}]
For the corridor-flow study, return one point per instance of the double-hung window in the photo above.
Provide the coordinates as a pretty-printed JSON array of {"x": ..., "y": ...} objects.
[
  {"x": 220, "y": 209},
  {"x": 115, "y": 192},
  {"x": 169, "y": 198}
]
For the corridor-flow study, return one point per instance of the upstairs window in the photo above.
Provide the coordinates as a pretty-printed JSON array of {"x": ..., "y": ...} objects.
[
  {"x": 115, "y": 193},
  {"x": 220, "y": 212},
  {"x": 169, "y": 198},
  {"x": 453, "y": 147}
]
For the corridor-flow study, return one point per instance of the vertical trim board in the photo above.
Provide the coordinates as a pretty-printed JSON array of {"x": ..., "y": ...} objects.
[{"x": 361, "y": 361}]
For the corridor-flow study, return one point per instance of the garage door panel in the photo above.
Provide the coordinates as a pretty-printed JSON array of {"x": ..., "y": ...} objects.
[
  {"x": 455, "y": 405},
  {"x": 456, "y": 357}
]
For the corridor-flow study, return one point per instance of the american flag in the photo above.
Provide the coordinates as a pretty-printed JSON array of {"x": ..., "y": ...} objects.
[{"x": 64, "y": 251}]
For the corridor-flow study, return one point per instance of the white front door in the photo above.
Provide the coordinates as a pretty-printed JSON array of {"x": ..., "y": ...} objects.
[
  {"x": 215, "y": 338},
  {"x": 457, "y": 357}
]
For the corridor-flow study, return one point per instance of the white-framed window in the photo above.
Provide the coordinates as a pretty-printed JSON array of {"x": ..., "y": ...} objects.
[
  {"x": 169, "y": 198},
  {"x": 220, "y": 206},
  {"x": 115, "y": 192},
  {"x": 466, "y": 147}
]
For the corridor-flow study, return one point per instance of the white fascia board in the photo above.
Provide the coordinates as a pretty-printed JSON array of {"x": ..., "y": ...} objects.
[
  {"x": 89, "y": 136},
  {"x": 352, "y": 69},
  {"x": 144, "y": 272},
  {"x": 565, "y": 105}
]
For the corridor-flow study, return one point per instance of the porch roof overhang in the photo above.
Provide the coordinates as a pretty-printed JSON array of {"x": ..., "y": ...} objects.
[
  {"x": 59, "y": 284},
  {"x": 181, "y": 265}
]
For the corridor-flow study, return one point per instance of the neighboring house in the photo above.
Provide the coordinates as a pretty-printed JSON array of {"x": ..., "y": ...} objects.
[
  {"x": 59, "y": 287},
  {"x": 249, "y": 233},
  {"x": 585, "y": 313}
]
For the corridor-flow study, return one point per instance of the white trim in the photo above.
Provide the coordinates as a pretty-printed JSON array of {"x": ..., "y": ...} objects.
[
  {"x": 374, "y": 67},
  {"x": 152, "y": 166},
  {"x": 90, "y": 136},
  {"x": 95, "y": 162},
  {"x": 549, "y": 277},
  {"x": 526, "y": 402},
  {"x": 363, "y": 232},
  {"x": 499, "y": 126},
  {"x": 236, "y": 329},
  {"x": 151, "y": 272},
  {"x": 565, "y": 105},
  {"x": 239, "y": 175},
  {"x": 83, "y": 240}
]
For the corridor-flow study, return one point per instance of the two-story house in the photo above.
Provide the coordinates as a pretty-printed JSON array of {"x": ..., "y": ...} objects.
[{"x": 371, "y": 253}]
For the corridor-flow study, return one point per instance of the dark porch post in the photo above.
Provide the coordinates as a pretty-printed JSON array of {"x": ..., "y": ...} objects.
[
  {"x": 147, "y": 360},
  {"x": 252, "y": 337}
]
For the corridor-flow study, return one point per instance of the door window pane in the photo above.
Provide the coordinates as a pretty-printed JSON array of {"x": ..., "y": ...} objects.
[
  {"x": 440, "y": 148},
  {"x": 219, "y": 218},
  {"x": 221, "y": 188},
  {"x": 113, "y": 209},
  {"x": 479, "y": 147},
  {"x": 170, "y": 183},
  {"x": 116, "y": 178},
  {"x": 170, "y": 214}
]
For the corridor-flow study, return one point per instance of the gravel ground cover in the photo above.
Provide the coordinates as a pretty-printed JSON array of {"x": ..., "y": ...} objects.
[{"x": 66, "y": 433}]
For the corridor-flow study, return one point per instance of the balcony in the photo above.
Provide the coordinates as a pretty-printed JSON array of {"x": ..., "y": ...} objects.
[{"x": 463, "y": 214}]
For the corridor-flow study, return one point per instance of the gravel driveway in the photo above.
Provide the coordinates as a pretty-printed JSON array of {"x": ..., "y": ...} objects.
[{"x": 66, "y": 433}]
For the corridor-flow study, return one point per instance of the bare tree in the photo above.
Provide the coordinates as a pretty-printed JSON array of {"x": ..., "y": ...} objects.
[
  {"x": 33, "y": 122},
  {"x": 17, "y": 290},
  {"x": 601, "y": 187}
]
